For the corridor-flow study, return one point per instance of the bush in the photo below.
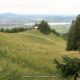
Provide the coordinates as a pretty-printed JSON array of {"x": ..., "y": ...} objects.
[{"x": 70, "y": 67}]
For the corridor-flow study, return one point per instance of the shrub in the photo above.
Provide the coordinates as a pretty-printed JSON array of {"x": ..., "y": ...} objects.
[{"x": 70, "y": 67}]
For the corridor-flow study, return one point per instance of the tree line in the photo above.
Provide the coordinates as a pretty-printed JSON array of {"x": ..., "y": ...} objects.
[
  {"x": 13, "y": 30},
  {"x": 43, "y": 27}
]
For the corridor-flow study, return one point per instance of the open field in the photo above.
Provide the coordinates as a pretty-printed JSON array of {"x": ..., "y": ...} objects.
[
  {"x": 62, "y": 29},
  {"x": 30, "y": 53}
]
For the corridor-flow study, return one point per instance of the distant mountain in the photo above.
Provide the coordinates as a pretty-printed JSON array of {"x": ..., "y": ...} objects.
[{"x": 19, "y": 19}]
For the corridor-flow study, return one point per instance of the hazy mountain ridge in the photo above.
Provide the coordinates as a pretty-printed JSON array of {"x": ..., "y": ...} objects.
[{"x": 10, "y": 17}]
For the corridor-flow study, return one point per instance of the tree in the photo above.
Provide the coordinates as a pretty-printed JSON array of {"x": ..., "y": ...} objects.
[
  {"x": 74, "y": 35},
  {"x": 44, "y": 27},
  {"x": 70, "y": 67},
  {"x": 2, "y": 30}
]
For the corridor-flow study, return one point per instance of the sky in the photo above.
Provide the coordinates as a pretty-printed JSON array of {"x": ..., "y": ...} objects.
[{"x": 49, "y": 7}]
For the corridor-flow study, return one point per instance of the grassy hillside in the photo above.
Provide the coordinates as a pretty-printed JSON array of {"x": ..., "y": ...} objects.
[{"x": 29, "y": 53}]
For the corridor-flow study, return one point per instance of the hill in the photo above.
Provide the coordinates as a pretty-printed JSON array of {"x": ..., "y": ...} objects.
[
  {"x": 29, "y": 53},
  {"x": 11, "y": 18}
]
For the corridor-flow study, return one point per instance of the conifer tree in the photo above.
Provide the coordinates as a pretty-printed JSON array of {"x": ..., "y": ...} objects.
[
  {"x": 74, "y": 35},
  {"x": 44, "y": 27}
]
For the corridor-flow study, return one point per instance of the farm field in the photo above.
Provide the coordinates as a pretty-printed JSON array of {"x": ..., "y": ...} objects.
[{"x": 62, "y": 29}]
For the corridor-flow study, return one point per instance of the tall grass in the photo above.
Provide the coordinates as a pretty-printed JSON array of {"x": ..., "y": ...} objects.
[{"x": 29, "y": 53}]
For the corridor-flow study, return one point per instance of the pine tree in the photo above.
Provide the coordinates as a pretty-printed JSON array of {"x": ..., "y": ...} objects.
[
  {"x": 74, "y": 35},
  {"x": 44, "y": 27}
]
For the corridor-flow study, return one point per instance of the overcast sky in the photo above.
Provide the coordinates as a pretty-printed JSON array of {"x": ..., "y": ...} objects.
[{"x": 53, "y": 7}]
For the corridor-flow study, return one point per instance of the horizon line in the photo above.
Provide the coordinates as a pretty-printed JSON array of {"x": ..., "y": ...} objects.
[{"x": 38, "y": 14}]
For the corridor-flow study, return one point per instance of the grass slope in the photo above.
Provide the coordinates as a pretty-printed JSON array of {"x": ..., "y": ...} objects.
[{"x": 29, "y": 53}]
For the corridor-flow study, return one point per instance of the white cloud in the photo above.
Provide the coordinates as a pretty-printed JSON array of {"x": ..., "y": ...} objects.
[{"x": 40, "y": 6}]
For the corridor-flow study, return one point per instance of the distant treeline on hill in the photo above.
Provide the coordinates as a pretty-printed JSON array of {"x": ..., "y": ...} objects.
[
  {"x": 13, "y": 30},
  {"x": 43, "y": 27},
  {"x": 21, "y": 29}
]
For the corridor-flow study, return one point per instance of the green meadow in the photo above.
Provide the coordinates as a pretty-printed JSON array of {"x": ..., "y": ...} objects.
[{"x": 30, "y": 53}]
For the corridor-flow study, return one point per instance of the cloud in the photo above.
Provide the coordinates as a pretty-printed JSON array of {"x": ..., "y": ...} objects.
[{"x": 40, "y": 6}]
